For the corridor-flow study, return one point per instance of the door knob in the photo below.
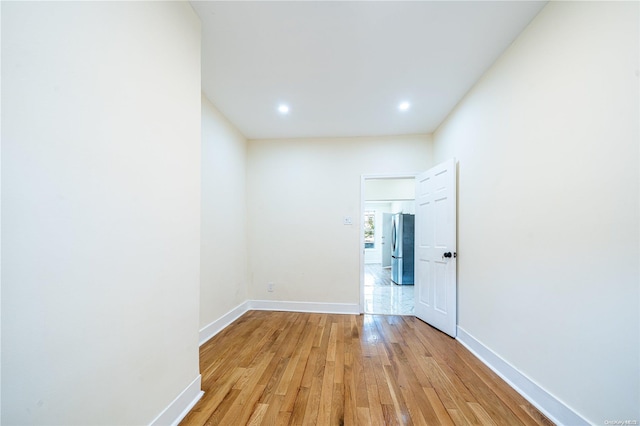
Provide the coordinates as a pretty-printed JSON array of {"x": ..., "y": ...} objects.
[{"x": 447, "y": 254}]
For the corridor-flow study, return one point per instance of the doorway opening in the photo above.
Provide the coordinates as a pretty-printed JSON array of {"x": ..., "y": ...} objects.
[{"x": 386, "y": 266}]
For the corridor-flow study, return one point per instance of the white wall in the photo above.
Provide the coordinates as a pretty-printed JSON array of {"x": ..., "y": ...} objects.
[
  {"x": 390, "y": 189},
  {"x": 298, "y": 193},
  {"x": 547, "y": 144},
  {"x": 223, "y": 260},
  {"x": 404, "y": 207},
  {"x": 100, "y": 210}
]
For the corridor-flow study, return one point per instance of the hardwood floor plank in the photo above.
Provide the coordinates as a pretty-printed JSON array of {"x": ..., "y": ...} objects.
[
  {"x": 384, "y": 394},
  {"x": 243, "y": 406},
  {"x": 206, "y": 406},
  {"x": 495, "y": 407},
  {"x": 448, "y": 391},
  {"x": 287, "y": 368},
  {"x": 340, "y": 353},
  {"x": 321, "y": 328},
  {"x": 326, "y": 395},
  {"x": 271, "y": 377},
  {"x": 417, "y": 401},
  {"x": 313, "y": 403},
  {"x": 420, "y": 411},
  {"x": 402, "y": 412},
  {"x": 364, "y": 418},
  {"x": 350, "y": 404},
  {"x": 224, "y": 406},
  {"x": 360, "y": 384},
  {"x": 254, "y": 371},
  {"x": 514, "y": 402},
  {"x": 258, "y": 415},
  {"x": 375, "y": 408},
  {"x": 390, "y": 416},
  {"x": 287, "y": 380},
  {"x": 457, "y": 417},
  {"x": 333, "y": 338},
  {"x": 283, "y": 419},
  {"x": 337, "y": 405},
  {"x": 440, "y": 410},
  {"x": 484, "y": 417},
  {"x": 270, "y": 416},
  {"x": 309, "y": 367},
  {"x": 300, "y": 406},
  {"x": 317, "y": 383},
  {"x": 414, "y": 351},
  {"x": 290, "y": 392}
]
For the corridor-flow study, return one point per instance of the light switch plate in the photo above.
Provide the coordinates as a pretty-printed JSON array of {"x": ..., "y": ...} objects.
[{"x": 347, "y": 220}]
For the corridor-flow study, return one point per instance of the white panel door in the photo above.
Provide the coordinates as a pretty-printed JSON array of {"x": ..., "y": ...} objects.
[{"x": 435, "y": 240}]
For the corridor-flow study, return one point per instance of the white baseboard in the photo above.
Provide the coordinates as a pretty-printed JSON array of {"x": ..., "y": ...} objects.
[
  {"x": 218, "y": 325},
  {"x": 552, "y": 407},
  {"x": 314, "y": 307},
  {"x": 180, "y": 407}
]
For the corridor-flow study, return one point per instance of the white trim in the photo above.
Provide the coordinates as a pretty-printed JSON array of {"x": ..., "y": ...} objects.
[
  {"x": 180, "y": 407},
  {"x": 557, "y": 411},
  {"x": 215, "y": 327},
  {"x": 313, "y": 307}
]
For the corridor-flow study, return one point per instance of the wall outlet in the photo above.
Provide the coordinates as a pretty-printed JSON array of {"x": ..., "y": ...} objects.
[
  {"x": 270, "y": 287},
  {"x": 347, "y": 220}
]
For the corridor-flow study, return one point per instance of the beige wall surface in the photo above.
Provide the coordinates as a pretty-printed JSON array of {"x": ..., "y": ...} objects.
[
  {"x": 100, "y": 210},
  {"x": 223, "y": 259},
  {"x": 299, "y": 191},
  {"x": 548, "y": 214}
]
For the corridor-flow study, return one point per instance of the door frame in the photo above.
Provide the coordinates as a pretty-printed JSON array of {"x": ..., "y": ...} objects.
[{"x": 363, "y": 179}]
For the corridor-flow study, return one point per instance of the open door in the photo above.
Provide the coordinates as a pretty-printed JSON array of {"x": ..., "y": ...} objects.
[{"x": 435, "y": 255}]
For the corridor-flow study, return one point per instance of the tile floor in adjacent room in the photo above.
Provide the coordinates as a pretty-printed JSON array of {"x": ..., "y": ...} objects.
[{"x": 382, "y": 296}]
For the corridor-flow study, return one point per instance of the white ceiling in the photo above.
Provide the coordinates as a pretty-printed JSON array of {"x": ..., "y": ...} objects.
[{"x": 343, "y": 67}]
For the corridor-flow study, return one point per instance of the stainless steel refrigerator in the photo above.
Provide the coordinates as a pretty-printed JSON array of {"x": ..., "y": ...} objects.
[{"x": 402, "y": 248}]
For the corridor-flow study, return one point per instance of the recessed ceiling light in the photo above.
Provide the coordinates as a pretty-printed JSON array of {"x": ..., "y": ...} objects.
[
  {"x": 283, "y": 109},
  {"x": 404, "y": 106}
]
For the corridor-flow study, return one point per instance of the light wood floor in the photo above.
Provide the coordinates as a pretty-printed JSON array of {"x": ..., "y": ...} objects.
[{"x": 279, "y": 368}]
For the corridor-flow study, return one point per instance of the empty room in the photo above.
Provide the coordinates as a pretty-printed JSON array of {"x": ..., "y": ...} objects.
[{"x": 195, "y": 196}]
